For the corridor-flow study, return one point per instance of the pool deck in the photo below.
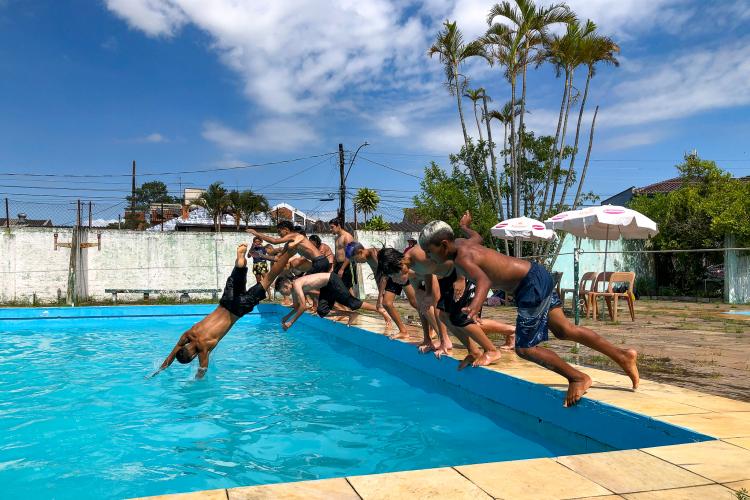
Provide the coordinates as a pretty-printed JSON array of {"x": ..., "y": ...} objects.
[{"x": 706, "y": 470}]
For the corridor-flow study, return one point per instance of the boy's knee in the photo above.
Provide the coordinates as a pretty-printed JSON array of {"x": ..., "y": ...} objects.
[{"x": 524, "y": 352}]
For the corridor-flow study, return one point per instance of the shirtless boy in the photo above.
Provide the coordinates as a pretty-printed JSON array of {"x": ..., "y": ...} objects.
[
  {"x": 205, "y": 335},
  {"x": 295, "y": 243},
  {"x": 325, "y": 250},
  {"x": 388, "y": 289},
  {"x": 332, "y": 290},
  {"x": 539, "y": 306},
  {"x": 341, "y": 263}
]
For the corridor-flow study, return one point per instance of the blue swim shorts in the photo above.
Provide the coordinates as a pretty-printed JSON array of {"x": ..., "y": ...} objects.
[{"x": 535, "y": 296}]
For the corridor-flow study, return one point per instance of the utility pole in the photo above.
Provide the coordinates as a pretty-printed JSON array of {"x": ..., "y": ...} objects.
[
  {"x": 89, "y": 215},
  {"x": 342, "y": 187},
  {"x": 132, "y": 193},
  {"x": 7, "y": 215}
]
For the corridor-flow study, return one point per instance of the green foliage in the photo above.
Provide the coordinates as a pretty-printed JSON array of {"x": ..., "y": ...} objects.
[
  {"x": 366, "y": 200},
  {"x": 149, "y": 193},
  {"x": 245, "y": 205},
  {"x": 709, "y": 205},
  {"x": 215, "y": 200},
  {"x": 376, "y": 224},
  {"x": 742, "y": 494}
]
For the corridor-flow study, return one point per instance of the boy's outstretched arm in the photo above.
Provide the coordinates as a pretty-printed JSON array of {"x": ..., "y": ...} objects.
[
  {"x": 181, "y": 342},
  {"x": 483, "y": 284},
  {"x": 299, "y": 301},
  {"x": 471, "y": 235},
  {"x": 271, "y": 239},
  {"x": 202, "y": 364}
]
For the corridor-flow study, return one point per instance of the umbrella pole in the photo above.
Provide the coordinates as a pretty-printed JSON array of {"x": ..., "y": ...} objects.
[
  {"x": 507, "y": 250},
  {"x": 576, "y": 256}
]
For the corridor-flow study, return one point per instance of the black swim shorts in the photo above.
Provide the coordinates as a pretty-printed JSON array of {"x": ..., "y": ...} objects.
[
  {"x": 235, "y": 298},
  {"x": 454, "y": 307},
  {"x": 348, "y": 277},
  {"x": 336, "y": 292},
  {"x": 319, "y": 264}
]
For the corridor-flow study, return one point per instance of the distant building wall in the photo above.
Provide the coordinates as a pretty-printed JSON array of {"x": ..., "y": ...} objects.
[
  {"x": 377, "y": 239},
  {"x": 736, "y": 274}
]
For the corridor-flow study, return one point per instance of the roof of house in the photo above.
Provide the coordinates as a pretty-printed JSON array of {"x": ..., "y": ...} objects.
[
  {"x": 26, "y": 222},
  {"x": 673, "y": 184},
  {"x": 323, "y": 227}
]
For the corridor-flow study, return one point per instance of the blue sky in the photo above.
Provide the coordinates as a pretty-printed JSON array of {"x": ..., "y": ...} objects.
[{"x": 181, "y": 85}]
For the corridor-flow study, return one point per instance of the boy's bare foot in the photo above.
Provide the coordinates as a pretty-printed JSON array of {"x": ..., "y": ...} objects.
[
  {"x": 241, "y": 252},
  {"x": 576, "y": 390},
  {"x": 630, "y": 365},
  {"x": 488, "y": 358},
  {"x": 401, "y": 335},
  {"x": 510, "y": 343},
  {"x": 467, "y": 361},
  {"x": 443, "y": 349},
  {"x": 426, "y": 347}
]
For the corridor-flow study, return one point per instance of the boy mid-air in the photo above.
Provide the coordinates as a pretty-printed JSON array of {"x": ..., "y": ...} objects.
[
  {"x": 332, "y": 291},
  {"x": 205, "y": 335},
  {"x": 539, "y": 306}
]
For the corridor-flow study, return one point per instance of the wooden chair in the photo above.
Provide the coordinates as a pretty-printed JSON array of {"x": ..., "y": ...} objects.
[
  {"x": 611, "y": 297},
  {"x": 584, "y": 285},
  {"x": 557, "y": 277}
]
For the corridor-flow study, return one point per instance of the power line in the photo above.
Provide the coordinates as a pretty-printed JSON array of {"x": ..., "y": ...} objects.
[{"x": 391, "y": 168}]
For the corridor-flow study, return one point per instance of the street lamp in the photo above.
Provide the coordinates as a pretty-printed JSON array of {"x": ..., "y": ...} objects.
[{"x": 344, "y": 176}]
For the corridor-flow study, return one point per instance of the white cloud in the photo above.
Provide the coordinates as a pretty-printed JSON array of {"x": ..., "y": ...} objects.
[
  {"x": 269, "y": 135},
  {"x": 154, "y": 17},
  {"x": 155, "y": 138},
  {"x": 103, "y": 222},
  {"x": 630, "y": 140},
  {"x": 392, "y": 126},
  {"x": 442, "y": 138},
  {"x": 696, "y": 81}
]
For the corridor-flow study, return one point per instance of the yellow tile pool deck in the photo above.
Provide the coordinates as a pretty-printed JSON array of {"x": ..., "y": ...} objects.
[{"x": 706, "y": 470}]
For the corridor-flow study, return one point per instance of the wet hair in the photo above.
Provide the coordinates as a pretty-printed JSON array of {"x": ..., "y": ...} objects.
[
  {"x": 285, "y": 224},
  {"x": 282, "y": 281},
  {"x": 352, "y": 248},
  {"x": 315, "y": 239},
  {"x": 389, "y": 261},
  {"x": 435, "y": 232},
  {"x": 335, "y": 222},
  {"x": 184, "y": 356}
]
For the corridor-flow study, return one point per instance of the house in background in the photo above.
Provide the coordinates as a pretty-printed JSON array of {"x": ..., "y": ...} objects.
[
  {"x": 662, "y": 187},
  {"x": 22, "y": 220}
]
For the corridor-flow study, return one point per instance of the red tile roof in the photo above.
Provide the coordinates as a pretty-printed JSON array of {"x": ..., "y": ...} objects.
[{"x": 670, "y": 185}]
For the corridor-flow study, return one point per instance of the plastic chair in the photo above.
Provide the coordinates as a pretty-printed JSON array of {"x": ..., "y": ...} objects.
[
  {"x": 582, "y": 290},
  {"x": 600, "y": 285},
  {"x": 611, "y": 296}
]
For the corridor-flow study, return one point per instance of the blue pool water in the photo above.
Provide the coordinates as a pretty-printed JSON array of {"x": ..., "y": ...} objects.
[
  {"x": 79, "y": 420},
  {"x": 745, "y": 313}
]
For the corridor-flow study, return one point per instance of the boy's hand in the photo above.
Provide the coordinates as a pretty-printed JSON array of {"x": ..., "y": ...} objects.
[
  {"x": 286, "y": 325},
  {"x": 473, "y": 313},
  {"x": 466, "y": 219},
  {"x": 458, "y": 290},
  {"x": 251, "y": 231}
]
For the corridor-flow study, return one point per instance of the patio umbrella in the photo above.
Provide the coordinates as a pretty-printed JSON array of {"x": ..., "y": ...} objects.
[
  {"x": 523, "y": 228},
  {"x": 606, "y": 222}
]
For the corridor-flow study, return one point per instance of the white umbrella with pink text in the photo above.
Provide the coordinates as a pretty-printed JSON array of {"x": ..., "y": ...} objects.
[{"x": 522, "y": 228}]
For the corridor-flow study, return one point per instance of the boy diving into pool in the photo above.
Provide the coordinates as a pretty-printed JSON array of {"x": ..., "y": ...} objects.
[
  {"x": 235, "y": 302},
  {"x": 539, "y": 307},
  {"x": 333, "y": 291}
]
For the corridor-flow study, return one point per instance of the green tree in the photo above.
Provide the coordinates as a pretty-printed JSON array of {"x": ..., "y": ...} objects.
[
  {"x": 366, "y": 200},
  {"x": 708, "y": 206},
  {"x": 377, "y": 223},
  {"x": 150, "y": 193},
  {"x": 453, "y": 53},
  {"x": 529, "y": 25},
  {"x": 245, "y": 205},
  {"x": 215, "y": 200}
]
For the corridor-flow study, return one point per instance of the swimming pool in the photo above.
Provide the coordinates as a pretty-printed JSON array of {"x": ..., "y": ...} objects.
[
  {"x": 744, "y": 313},
  {"x": 79, "y": 420}
]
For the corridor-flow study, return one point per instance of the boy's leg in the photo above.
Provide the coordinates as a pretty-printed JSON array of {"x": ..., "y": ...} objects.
[
  {"x": 446, "y": 344},
  {"x": 565, "y": 330},
  {"x": 578, "y": 382},
  {"x": 474, "y": 353},
  {"x": 371, "y": 307},
  {"x": 509, "y": 331},
  {"x": 276, "y": 269},
  {"x": 390, "y": 307}
]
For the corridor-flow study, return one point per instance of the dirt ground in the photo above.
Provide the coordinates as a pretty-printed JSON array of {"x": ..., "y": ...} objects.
[{"x": 691, "y": 345}]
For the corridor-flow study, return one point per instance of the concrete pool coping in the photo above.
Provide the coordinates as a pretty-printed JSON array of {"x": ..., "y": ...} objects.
[{"x": 709, "y": 469}]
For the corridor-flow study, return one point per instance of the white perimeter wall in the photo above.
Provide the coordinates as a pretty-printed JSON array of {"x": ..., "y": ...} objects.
[{"x": 134, "y": 259}]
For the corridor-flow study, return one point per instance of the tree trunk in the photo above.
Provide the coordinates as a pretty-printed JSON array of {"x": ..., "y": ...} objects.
[
  {"x": 505, "y": 169},
  {"x": 513, "y": 166},
  {"x": 494, "y": 180},
  {"x": 580, "y": 183},
  {"x": 551, "y": 173},
  {"x": 569, "y": 178},
  {"x": 476, "y": 117},
  {"x": 472, "y": 170},
  {"x": 586, "y": 163},
  {"x": 562, "y": 142},
  {"x": 521, "y": 153}
]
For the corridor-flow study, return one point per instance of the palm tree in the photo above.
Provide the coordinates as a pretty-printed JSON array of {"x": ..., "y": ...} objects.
[
  {"x": 366, "y": 200},
  {"x": 245, "y": 205},
  {"x": 475, "y": 95},
  {"x": 215, "y": 200},
  {"x": 564, "y": 53},
  {"x": 593, "y": 49},
  {"x": 453, "y": 52},
  {"x": 506, "y": 115},
  {"x": 529, "y": 26}
]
